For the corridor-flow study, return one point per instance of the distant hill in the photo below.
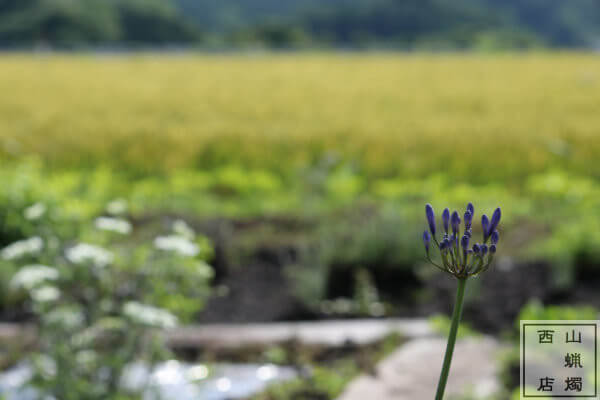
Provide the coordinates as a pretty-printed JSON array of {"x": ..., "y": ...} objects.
[
  {"x": 303, "y": 23},
  {"x": 559, "y": 22},
  {"x": 76, "y": 22},
  {"x": 568, "y": 23}
]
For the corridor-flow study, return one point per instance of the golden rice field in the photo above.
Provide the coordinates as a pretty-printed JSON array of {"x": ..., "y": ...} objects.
[{"x": 481, "y": 116}]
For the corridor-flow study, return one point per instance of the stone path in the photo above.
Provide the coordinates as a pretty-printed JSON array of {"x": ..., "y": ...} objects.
[
  {"x": 412, "y": 371},
  {"x": 325, "y": 333}
]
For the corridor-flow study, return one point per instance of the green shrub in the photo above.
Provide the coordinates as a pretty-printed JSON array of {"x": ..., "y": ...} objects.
[{"x": 102, "y": 300}]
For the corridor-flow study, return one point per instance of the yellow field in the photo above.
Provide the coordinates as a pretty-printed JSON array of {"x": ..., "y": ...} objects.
[{"x": 503, "y": 115}]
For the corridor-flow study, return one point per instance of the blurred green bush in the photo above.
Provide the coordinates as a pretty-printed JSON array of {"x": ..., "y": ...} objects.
[{"x": 101, "y": 298}]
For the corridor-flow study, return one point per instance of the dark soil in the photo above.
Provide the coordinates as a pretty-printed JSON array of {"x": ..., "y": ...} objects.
[{"x": 258, "y": 290}]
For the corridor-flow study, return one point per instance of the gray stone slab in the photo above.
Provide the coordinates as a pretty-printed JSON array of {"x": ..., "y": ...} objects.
[
  {"x": 412, "y": 371},
  {"x": 325, "y": 333}
]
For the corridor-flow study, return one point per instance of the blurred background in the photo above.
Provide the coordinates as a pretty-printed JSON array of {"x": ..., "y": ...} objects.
[{"x": 206, "y": 199}]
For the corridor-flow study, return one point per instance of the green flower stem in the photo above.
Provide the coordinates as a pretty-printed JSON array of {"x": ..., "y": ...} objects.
[{"x": 456, "y": 315}]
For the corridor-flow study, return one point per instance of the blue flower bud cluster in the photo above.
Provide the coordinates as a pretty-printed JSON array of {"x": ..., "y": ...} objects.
[{"x": 457, "y": 255}]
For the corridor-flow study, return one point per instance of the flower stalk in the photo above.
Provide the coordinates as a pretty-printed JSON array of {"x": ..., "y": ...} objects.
[
  {"x": 461, "y": 260},
  {"x": 456, "y": 316}
]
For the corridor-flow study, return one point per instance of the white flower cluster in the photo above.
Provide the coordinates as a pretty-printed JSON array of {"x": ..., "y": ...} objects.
[
  {"x": 35, "y": 211},
  {"x": 31, "y": 276},
  {"x": 148, "y": 315},
  {"x": 181, "y": 228},
  {"x": 22, "y": 248},
  {"x": 45, "y": 294},
  {"x": 177, "y": 244},
  {"x": 84, "y": 252},
  {"x": 68, "y": 317},
  {"x": 117, "y": 207},
  {"x": 117, "y": 225}
]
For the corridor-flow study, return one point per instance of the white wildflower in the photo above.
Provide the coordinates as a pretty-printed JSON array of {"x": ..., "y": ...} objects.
[
  {"x": 22, "y": 248},
  {"x": 45, "y": 294},
  {"x": 86, "y": 358},
  {"x": 204, "y": 270},
  {"x": 148, "y": 315},
  {"x": 117, "y": 225},
  {"x": 181, "y": 228},
  {"x": 117, "y": 207},
  {"x": 178, "y": 244},
  {"x": 67, "y": 317},
  {"x": 31, "y": 276},
  {"x": 84, "y": 252},
  {"x": 35, "y": 211},
  {"x": 45, "y": 365}
]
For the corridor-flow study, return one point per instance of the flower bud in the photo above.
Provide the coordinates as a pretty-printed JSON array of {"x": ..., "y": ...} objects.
[
  {"x": 464, "y": 242},
  {"x": 460, "y": 256},
  {"x": 485, "y": 225},
  {"x": 495, "y": 236},
  {"x": 471, "y": 209},
  {"x": 430, "y": 218},
  {"x": 426, "y": 240},
  {"x": 495, "y": 220},
  {"x": 484, "y": 249},
  {"x": 468, "y": 220},
  {"x": 455, "y": 221},
  {"x": 446, "y": 219}
]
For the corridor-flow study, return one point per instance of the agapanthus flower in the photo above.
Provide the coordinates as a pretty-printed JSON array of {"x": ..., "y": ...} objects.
[
  {"x": 464, "y": 242},
  {"x": 485, "y": 226},
  {"x": 426, "y": 240},
  {"x": 484, "y": 249},
  {"x": 495, "y": 221},
  {"x": 430, "y": 218},
  {"x": 468, "y": 217},
  {"x": 458, "y": 256},
  {"x": 455, "y": 222},
  {"x": 494, "y": 237},
  {"x": 471, "y": 208},
  {"x": 462, "y": 262},
  {"x": 446, "y": 219}
]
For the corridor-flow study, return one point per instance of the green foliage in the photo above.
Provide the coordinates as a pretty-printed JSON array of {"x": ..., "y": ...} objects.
[
  {"x": 328, "y": 378},
  {"x": 441, "y": 324},
  {"x": 325, "y": 383},
  {"x": 81, "y": 22},
  {"x": 356, "y": 245},
  {"x": 534, "y": 310},
  {"x": 355, "y": 158},
  {"x": 94, "y": 296}
]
